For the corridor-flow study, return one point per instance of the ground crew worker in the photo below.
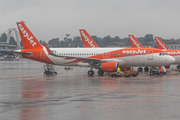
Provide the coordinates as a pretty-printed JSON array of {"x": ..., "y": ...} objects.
[
  {"x": 161, "y": 72},
  {"x": 118, "y": 70}
]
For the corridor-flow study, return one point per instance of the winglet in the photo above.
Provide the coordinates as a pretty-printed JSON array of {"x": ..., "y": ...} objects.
[
  {"x": 87, "y": 40},
  {"x": 134, "y": 42},
  {"x": 160, "y": 44},
  {"x": 49, "y": 51}
]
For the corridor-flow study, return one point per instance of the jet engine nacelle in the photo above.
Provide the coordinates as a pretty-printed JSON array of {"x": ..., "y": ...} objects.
[{"x": 109, "y": 66}]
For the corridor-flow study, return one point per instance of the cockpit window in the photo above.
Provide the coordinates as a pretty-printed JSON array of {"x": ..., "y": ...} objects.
[{"x": 163, "y": 54}]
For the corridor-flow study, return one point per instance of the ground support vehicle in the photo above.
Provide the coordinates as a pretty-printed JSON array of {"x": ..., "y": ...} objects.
[
  {"x": 125, "y": 71},
  {"x": 156, "y": 70}
]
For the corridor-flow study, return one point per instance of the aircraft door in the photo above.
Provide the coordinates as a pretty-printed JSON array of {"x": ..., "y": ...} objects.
[
  {"x": 106, "y": 55},
  {"x": 42, "y": 54},
  {"x": 150, "y": 55}
]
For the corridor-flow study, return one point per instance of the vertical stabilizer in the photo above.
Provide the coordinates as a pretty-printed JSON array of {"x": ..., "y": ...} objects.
[
  {"x": 88, "y": 42},
  {"x": 134, "y": 42},
  {"x": 160, "y": 44},
  {"x": 28, "y": 39}
]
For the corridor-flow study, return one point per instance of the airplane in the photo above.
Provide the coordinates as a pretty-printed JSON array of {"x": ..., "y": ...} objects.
[
  {"x": 173, "y": 53},
  {"x": 86, "y": 38},
  {"x": 104, "y": 59},
  {"x": 88, "y": 42}
]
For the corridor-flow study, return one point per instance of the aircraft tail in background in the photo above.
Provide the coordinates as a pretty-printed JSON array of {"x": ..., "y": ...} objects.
[
  {"x": 134, "y": 42},
  {"x": 88, "y": 42},
  {"x": 160, "y": 44}
]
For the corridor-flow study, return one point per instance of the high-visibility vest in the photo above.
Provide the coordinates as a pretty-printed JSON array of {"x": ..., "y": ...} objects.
[
  {"x": 160, "y": 69},
  {"x": 118, "y": 70}
]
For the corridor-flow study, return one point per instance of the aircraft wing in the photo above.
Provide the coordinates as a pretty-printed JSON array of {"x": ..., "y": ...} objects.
[
  {"x": 89, "y": 60},
  {"x": 83, "y": 59}
]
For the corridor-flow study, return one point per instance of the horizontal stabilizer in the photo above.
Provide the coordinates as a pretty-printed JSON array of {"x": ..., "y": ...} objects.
[{"x": 20, "y": 53}]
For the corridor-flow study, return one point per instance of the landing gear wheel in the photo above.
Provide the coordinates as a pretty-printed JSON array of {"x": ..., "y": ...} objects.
[
  {"x": 178, "y": 66},
  {"x": 90, "y": 72},
  {"x": 100, "y": 72},
  {"x": 146, "y": 69},
  {"x": 140, "y": 69}
]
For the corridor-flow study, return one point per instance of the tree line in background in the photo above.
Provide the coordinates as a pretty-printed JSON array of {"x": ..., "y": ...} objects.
[
  {"x": 77, "y": 42},
  {"x": 102, "y": 42}
]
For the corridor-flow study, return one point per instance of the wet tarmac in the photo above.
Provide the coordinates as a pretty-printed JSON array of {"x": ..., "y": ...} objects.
[{"x": 26, "y": 94}]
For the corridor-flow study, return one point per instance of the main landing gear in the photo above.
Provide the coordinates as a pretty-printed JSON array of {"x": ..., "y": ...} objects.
[
  {"x": 146, "y": 69},
  {"x": 100, "y": 72},
  {"x": 90, "y": 72},
  {"x": 140, "y": 69}
]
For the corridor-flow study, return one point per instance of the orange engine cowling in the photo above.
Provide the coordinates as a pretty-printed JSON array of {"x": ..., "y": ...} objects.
[{"x": 109, "y": 66}]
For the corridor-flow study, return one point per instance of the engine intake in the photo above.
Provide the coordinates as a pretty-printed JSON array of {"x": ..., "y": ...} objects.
[{"x": 109, "y": 66}]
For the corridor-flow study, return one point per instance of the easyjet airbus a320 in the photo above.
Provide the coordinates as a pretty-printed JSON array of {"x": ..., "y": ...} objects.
[{"x": 104, "y": 59}]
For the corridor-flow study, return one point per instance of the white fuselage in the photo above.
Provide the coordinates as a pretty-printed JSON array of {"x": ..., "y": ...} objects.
[{"x": 124, "y": 59}]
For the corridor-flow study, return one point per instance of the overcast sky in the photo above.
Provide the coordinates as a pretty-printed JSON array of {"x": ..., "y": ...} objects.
[{"x": 49, "y": 19}]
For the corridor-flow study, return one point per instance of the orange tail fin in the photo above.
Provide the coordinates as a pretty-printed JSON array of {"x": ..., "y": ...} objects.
[
  {"x": 28, "y": 39},
  {"x": 160, "y": 44},
  {"x": 87, "y": 40},
  {"x": 134, "y": 42}
]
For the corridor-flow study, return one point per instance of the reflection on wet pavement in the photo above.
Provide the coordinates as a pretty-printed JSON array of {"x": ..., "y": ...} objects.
[{"x": 26, "y": 94}]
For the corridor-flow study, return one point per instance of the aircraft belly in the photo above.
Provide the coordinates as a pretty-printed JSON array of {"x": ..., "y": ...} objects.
[{"x": 62, "y": 62}]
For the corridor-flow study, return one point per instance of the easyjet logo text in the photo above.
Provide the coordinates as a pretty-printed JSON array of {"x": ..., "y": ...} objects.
[
  {"x": 173, "y": 53},
  {"x": 90, "y": 42},
  {"x": 26, "y": 35},
  {"x": 134, "y": 41},
  {"x": 160, "y": 43},
  {"x": 134, "y": 51}
]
